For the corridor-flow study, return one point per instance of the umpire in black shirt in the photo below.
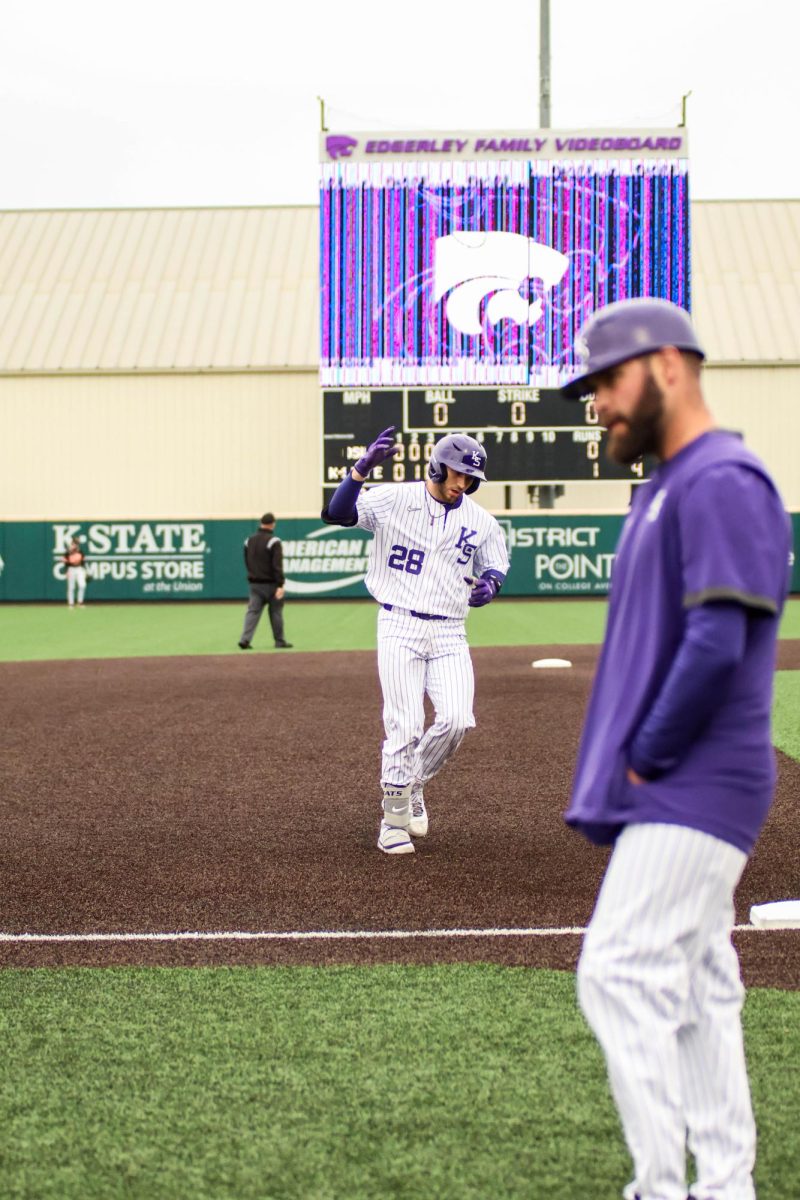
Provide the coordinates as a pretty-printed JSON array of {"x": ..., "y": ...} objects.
[{"x": 263, "y": 557}]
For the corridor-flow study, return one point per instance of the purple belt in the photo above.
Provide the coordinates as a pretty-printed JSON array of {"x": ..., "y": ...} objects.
[{"x": 422, "y": 616}]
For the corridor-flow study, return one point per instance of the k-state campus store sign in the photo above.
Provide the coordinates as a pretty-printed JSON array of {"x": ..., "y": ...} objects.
[{"x": 551, "y": 555}]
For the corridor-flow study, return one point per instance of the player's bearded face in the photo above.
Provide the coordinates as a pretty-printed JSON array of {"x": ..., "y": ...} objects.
[{"x": 640, "y": 431}]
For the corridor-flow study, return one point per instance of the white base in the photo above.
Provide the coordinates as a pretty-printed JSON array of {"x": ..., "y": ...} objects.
[
  {"x": 780, "y": 914},
  {"x": 551, "y": 662}
]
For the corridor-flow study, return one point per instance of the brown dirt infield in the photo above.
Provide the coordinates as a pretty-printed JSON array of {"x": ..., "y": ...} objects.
[{"x": 240, "y": 793}]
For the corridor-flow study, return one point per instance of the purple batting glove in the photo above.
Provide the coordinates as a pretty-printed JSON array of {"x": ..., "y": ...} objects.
[
  {"x": 378, "y": 451},
  {"x": 483, "y": 590}
]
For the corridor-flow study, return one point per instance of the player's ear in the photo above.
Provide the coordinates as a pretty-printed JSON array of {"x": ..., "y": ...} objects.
[{"x": 666, "y": 366}]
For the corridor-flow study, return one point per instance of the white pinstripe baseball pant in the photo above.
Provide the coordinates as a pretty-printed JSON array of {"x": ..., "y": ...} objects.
[
  {"x": 415, "y": 657},
  {"x": 658, "y": 981}
]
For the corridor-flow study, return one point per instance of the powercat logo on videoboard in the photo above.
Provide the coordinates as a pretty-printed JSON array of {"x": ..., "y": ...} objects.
[
  {"x": 340, "y": 146},
  {"x": 473, "y": 267}
]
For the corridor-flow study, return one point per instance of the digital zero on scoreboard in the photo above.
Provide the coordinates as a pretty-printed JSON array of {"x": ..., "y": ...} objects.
[{"x": 531, "y": 435}]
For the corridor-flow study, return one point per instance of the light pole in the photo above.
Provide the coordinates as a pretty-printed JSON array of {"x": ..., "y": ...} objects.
[
  {"x": 546, "y": 493},
  {"x": 544, "y": 64}
]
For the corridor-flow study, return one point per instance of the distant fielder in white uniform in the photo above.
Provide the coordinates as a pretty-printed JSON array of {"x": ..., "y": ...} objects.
[
  {"x": 435, "y": 554},
  {"x": 75, "y": 561}
]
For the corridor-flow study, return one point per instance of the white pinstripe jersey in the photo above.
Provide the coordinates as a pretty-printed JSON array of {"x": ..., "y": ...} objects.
[{"x": 422, "y": 550}]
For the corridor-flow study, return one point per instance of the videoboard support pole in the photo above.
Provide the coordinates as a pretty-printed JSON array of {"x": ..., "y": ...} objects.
[
  {"x": 546, "y": 493},
  {"x": 544, "y": 64}
]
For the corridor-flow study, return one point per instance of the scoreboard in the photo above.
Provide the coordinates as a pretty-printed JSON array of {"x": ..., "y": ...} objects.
[{"x": 531, "y": 435}]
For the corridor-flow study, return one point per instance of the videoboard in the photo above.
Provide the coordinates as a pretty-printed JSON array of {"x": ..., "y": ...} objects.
[
  {"x": 473, "y": 260},
  {"x": 531, "y": 435}
]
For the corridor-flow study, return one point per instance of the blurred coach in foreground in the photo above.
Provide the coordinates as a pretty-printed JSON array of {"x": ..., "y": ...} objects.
[{"x": 676, "y": 766}]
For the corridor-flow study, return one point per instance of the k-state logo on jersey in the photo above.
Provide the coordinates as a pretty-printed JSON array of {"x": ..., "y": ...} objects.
[
  {"x": 656, "y": 504},
  {"x": 473, "y": 265},
  {"x": 463, "y": 544}
]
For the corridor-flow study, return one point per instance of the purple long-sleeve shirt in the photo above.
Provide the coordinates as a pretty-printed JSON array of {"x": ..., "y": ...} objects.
[{"x": 708, "y": 529}]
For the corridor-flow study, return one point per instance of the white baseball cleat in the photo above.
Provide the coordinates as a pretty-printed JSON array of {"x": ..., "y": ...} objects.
[
  {"x": 394, "y": 840},
  {"x": 418, "y": 825}
]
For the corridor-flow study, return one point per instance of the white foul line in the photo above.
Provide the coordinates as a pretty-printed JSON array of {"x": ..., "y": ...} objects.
[{"x": 303, "y": 935}]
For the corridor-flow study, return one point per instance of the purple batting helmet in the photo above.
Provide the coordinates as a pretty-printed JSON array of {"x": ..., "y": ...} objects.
[
  {"x": 628, "y": 329},
  {"x": 462, "y": 453}
]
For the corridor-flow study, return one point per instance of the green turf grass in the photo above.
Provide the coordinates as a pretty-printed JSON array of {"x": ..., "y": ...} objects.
[
  {"x": 786, "y": 713},
  {"x": 464, "y": 1082},
  {"x": 49, "y": 631},
  {"x": 134, "y": 630}
]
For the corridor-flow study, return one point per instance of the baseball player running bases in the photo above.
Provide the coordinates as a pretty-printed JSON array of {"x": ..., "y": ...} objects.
[{"x": 435, "y": 553}]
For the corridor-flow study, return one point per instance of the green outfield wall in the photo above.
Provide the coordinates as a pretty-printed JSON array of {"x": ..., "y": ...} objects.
[{"x": 551, "y": 555}]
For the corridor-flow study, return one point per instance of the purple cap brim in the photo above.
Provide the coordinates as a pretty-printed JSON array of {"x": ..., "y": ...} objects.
[{"x": 577, "y": 388}]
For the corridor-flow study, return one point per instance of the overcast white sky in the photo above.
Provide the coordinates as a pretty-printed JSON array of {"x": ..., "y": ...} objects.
[{"x": 186, "y": 102}]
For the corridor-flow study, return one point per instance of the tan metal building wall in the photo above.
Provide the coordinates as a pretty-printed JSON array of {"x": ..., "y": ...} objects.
[
  {"x": 198, "y": 445},
  {"x": 163, "y": 362},
  {"x": 233, "y": 444},
  {"x": 158, "y": 289},
  {"x": 763, "y": 404}
]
